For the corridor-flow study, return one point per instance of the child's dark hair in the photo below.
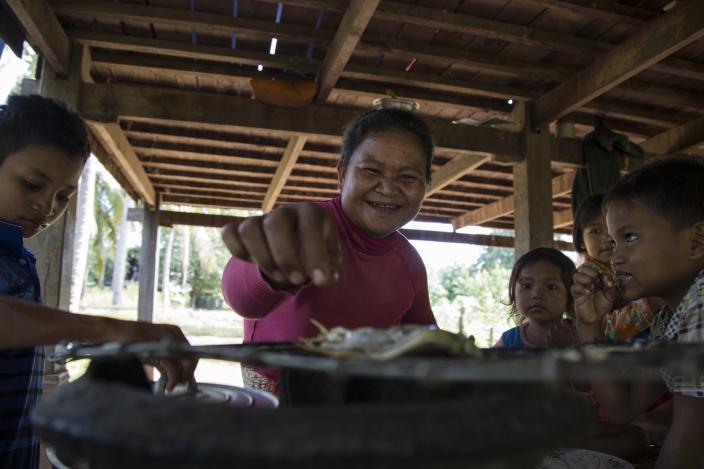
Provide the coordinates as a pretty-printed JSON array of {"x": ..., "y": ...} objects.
[
  {"x": 36, "y": 120},
  {"x": 671, "y": 186},
  {"x": 379, "y": 120},
  {"x": 588, "y": 210},
  {"x": 554, "y": 257}
]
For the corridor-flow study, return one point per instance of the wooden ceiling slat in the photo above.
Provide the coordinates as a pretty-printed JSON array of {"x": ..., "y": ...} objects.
[
  {"x": 348, "y": 34},
  {"x": 658, "y": 40},
  {"x": 677, "y": 139}
]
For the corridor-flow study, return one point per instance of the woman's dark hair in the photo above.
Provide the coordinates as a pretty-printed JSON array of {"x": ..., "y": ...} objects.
[
  {"x": 670, "y": 186},
  {"x": 588, "y": 211},
  {"x": 379, "y": 120},
  {"x": 554, "y": 257},
  {"x": 36, "y": 120}
]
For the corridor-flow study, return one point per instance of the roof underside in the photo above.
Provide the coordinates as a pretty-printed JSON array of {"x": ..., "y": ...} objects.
[{"x": 457, "y": 58}]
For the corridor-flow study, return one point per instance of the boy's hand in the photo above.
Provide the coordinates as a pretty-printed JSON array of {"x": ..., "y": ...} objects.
[
  {"x": 594, "y": 295},
  {"x": 176, "y": 371},
  {"x": 292, "y": 245}
]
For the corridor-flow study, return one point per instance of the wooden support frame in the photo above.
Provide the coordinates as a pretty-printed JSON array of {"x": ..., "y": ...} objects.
[
  {"x": 170, "y": 218},
  {"x": 561, "y": 185},
  {"x": 658, "y": 40},
  {"x": 114, "y": 141},
  {"x": 148, "y": 265},
  {"x": 455, "y": 169},
  {"x": 103, "y": 102},
  {"x": 677, "y": 139},
  {"x": 352, "y": 26},
  {"x": 44, "y": 32},
  {"x": 288, "y": 161}
]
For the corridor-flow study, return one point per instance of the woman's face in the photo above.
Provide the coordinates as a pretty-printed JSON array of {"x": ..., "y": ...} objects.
[
  {"x": 597, "y": 241},
  {"x": 384, "y": 183}
]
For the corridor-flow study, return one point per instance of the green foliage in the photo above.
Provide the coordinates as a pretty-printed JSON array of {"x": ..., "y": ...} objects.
[
  {"x": 473, "y": 300},
  {"x": 109, "y": 204}
]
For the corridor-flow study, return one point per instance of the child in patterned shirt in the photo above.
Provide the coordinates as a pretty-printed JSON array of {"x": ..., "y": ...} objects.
[
  {"x": 591, "y": 240},
  {"x": 655, "y": 217}
]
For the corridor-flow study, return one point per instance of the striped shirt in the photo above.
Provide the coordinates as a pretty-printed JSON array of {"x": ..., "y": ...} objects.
[
  {"x": 21, "y": 370},
  {"x": 684, "y": 325}
]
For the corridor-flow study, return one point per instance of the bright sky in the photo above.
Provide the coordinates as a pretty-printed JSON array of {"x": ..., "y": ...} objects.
[{"x": 435, "y": 255}]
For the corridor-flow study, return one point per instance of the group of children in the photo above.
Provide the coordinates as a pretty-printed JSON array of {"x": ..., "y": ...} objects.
[{"x": 342, "y": 262}]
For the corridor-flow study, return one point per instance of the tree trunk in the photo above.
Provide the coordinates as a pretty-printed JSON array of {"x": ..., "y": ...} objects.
[
  {"x": 165, "y": 281},
  {"x": 185, "y": 256},
  {"x": 118, "y": 272},
  {"x": 85, "y": 216}
]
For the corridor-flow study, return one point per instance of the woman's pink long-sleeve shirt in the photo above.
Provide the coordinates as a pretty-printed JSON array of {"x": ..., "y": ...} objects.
[{"x": 382, "y": 283}]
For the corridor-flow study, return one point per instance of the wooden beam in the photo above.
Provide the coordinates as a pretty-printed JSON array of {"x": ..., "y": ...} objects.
[
  {"x": 44, "y": 32},
  {"x": 191, "y": 51},
  {"x": 288, "y": 161},
  {"x": 436, "y": 82},
  {"x": 455, "y": 169},
  {"x": 561, "y": 185},
  {"x": 114, "y": 141},
  {"x": 659, "y": 39},
  {"x": 103, "y": 102},
  {"x": 352, "y": 26},
  {"x": 426, "y": 89},
  {"x": 677, "y": 139},
  {"x": 562, "y": 219},
  {"x": 171, "y": 218}
]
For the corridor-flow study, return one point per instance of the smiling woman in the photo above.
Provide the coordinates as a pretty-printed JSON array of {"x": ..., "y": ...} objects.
[{"x": 340, "y": 262}]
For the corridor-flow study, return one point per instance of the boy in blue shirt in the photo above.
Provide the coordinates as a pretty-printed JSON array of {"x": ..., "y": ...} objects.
[
  {"x": 655, "y": 218},
  {"x": 43, "y": 147}
]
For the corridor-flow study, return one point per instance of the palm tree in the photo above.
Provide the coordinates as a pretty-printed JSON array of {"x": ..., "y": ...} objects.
[
  {"x": 84, "y": 221},
  {"x": 166, "y": 272},
  {"x": 118, "y": 272}
]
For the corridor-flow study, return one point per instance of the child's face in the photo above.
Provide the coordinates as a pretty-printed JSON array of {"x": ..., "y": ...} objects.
[
  {"x": 384, "y": 184},
  {"x": 541, "y": 294},
  {"x": 36, "y": 184},
  {"x": 597, "y": 241},
  {"x": 650, "y": 257}
]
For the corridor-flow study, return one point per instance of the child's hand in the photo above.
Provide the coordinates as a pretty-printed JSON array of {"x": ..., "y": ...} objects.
[
  {"x": 292, "y": 245},
  {"x": 594, "y": 294},
  {"x": 175, "y": 370}
]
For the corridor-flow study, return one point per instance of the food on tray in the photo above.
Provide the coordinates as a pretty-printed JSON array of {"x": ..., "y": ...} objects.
[{"x": 385, "y": 344}]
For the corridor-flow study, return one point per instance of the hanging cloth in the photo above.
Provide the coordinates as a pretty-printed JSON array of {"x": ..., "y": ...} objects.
[{"x": 601, "y": 149}]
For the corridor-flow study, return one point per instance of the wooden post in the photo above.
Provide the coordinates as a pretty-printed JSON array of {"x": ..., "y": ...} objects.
[
  {"x": 53, "y": 247},
  {"x": 148, "y": 263},
  {"x": 532, "y": 187}
]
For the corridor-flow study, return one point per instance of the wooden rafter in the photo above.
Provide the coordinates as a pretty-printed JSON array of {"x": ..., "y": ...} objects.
[
  {"x": 561, "y": 185},
  {"x": 190, "y": 51},
  {"x": 563, "y": 218},
  {"x": 352, "y": 26},
  {"x": 455, "y": 169},
  {"x": 43, "y": 31},
  {"x": 677, "y": 139},
  {"x": 283, "y": 171},
  {"x": 103, "y": 102},
  {"x": 113, "y": 139},
  {"x": 658, "y": 40},
  {"x": 464, "y": 95}
]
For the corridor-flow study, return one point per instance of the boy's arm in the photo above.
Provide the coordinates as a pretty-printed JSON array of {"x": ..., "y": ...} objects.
[
  {"x": 683, "y": 446},
  {"x": 28, "y": 325}
]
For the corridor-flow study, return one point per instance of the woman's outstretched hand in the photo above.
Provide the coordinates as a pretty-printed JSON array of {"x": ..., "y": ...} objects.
[{"x": 292, "y": 245}]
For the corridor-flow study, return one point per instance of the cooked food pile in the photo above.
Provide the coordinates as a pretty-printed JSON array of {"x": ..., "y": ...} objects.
[{"x": 385, "y": 344}]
